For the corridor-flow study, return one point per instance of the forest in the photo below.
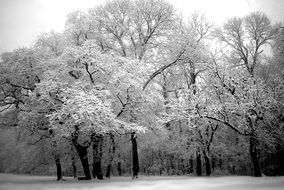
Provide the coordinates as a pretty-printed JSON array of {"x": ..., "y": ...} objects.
[{"x": 131, "y": 87}]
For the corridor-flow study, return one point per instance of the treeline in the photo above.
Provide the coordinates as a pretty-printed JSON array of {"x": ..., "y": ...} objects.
[{"x": 130, "y": 87}]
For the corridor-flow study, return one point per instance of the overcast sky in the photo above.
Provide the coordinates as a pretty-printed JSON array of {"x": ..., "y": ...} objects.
[{"x": 22, "y": 20}]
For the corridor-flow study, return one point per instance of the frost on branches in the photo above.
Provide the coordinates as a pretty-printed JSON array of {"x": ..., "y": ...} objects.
[{"x": 88, "y": 88}]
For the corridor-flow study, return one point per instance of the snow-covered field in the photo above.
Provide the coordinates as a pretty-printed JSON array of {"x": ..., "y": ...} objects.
[{"x": 20, "y": 182}]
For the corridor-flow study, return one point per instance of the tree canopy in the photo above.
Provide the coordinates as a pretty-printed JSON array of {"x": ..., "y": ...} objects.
[{"x": 130, "y": 86}]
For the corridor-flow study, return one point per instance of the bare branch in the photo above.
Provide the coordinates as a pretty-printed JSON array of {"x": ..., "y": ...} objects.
[
  {"x": 227, "y": 124},
  {"x": 159, "y": 71}
]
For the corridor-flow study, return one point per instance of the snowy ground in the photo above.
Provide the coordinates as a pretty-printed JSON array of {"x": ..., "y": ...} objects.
[{"x": 19, "y": 182}]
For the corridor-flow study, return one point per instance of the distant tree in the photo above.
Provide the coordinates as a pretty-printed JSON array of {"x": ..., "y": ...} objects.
[
  {"x": 77, "y": 27},
  {"x": 278, "y": 48},
  {"x": 246, "y": 37},
  {"x": 133, "y": 27},
  {"x": 51, "y": 44}
]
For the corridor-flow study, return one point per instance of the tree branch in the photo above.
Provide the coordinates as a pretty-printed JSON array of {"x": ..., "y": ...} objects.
[
  {"x": 159, "y": 71},
  {"x": 227, "y": 124},
  {"x": 40, "y": 139}
]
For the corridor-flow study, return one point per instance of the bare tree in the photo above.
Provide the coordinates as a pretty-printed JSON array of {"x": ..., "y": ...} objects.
[
  {"x": 78, "y": 27},
  {"x": 246, "y": 37}
]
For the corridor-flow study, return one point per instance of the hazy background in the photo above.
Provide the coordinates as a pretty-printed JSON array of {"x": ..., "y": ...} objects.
[{"x": 22, "y": 20}]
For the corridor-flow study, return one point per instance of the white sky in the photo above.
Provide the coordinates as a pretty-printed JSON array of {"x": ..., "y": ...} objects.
[{"x": 22, "y": 20}]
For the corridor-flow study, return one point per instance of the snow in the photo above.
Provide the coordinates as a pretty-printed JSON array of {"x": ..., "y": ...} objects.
[{"x": 21, "y": 182}]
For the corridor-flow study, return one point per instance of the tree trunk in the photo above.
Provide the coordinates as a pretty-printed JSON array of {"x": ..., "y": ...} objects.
[
  {"x": 73, "y": 160},
  {"x": 192, "y": 78},
  {"x": 58, "y": 167},
  {"x": 108, "y": 170},
  {"x": 220, "y": 163},
  {"x": 74, "y": 169},
  {"x": 83, "y": 155},
  {"x": 191, "y": 166},
  {"x": 134, "y": 155},
  {"x": 122, "y": 47},
  {"x": 112, "y": 152},
  {"x": 82, "y": 152},
  {"x": 198, "y": 163},
  {"x": 254, "y": 157},
  {"x": 56, "y": 155},
  {"x": 207, "y": 164},
  {"x": 97, "y": 156},
  {"x": 119, "y": 169},
  {"x": 213, "y": 163}
]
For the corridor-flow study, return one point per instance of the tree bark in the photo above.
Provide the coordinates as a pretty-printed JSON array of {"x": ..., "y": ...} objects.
[
  {"x": 73, "y": 160},
  {"x": 97, "y": 156},
  {"x": 83, "y": 155},
  {"x": 108, "y": 170},
  {"x": 58, "y": 167},
  {"x": 119, "y": 170},
  {"x": 198, "y": 163},
  {"x": 56, "y": 155},
  {"x": 254, "y": 157},
  {"x": 74, "y": 169},
  {"x": 134, "y": 155},
  {"x": 82, "y": 151},
  {"x": 190, "y": 165},
  {"x": 207, "y": 164},
  {"x": 112, "y": 152},
  {"x": 220, "y": 162}
]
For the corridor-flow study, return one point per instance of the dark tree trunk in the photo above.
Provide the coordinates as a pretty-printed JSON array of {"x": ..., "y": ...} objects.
[
  {"x": 198, "y": 163},
  {"x": 56, "y": 156},
  {"x": 220, "y": 163},
  {"x": 119, "y": 170},
  {"x": 83, "y": 155},
  {"x": 58, "y": 167},
  {"x": 192, "y": 79},
  {"x": 134, "y": 155},
  {"x": 161, "y": 156},
  {"x": 112, "y": 152},
  {"x": 207, "y": 164},
  {"x": 97, "y": 156},
  {"x": 254, "y": 157},
  {"x": 97, "y": 170},
  {"x": 234, "y": 170},
  {"x": 213, "y": 163},
  {"x": 191, "y": 166},
  {"x": 82, "y": 152},
  {"x": 73, "y": 160},
  {"x": 108, "y": 170}
]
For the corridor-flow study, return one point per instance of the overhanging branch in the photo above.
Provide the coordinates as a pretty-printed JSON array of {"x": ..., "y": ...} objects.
[{"x": 227, "y": 124}]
